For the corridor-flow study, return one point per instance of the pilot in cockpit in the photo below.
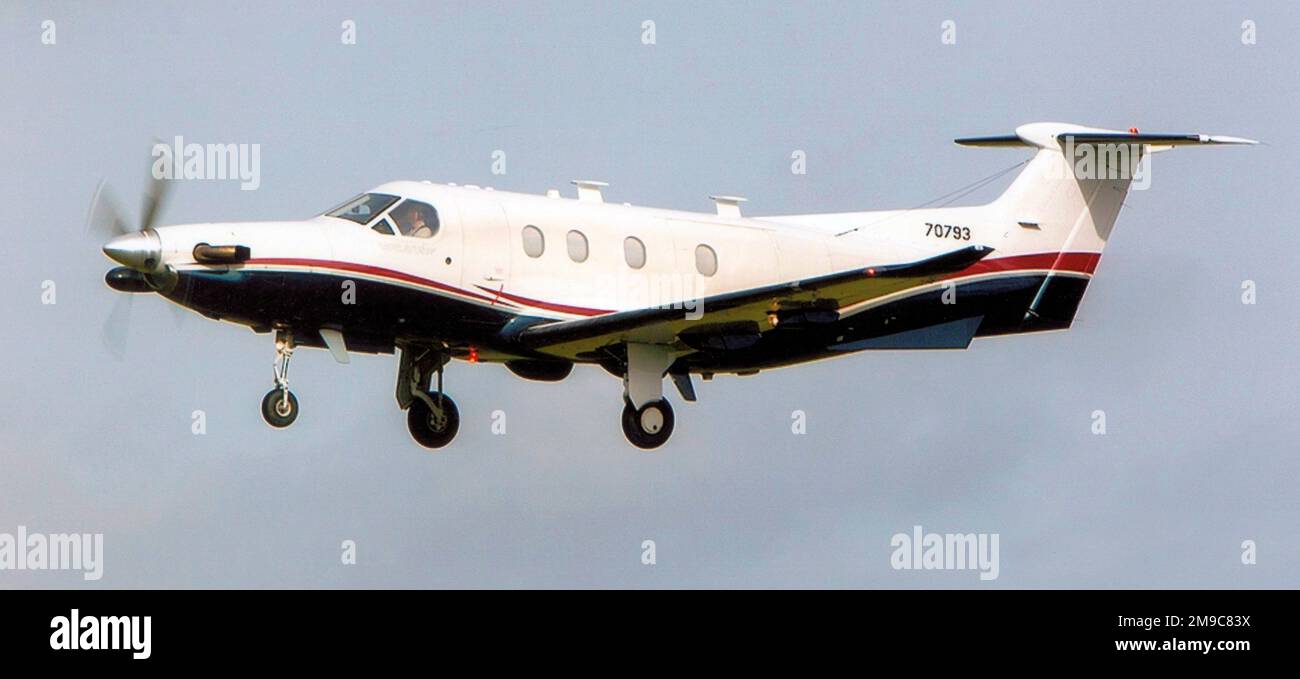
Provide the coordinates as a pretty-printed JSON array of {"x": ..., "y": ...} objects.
[{"x": 416, "y": 220}]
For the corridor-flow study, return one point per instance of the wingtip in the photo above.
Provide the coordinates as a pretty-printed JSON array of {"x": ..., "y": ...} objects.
[
  {"x": 1003, "y": 140},
  {"x": 1225, "y": 139}
]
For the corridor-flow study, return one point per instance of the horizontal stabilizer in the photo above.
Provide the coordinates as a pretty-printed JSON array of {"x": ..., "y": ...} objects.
[{"x": 1052, "y": 135}]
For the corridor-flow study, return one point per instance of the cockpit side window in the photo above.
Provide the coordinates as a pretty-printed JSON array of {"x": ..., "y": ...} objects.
[
  {"x": 416, "y": 219},
  {"x": 364, "y": 208},
  {"x": 383, "y": 226}
]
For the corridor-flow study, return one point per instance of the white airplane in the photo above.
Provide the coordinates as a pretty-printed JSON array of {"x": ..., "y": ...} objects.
[{"x": 540, "y": 283}]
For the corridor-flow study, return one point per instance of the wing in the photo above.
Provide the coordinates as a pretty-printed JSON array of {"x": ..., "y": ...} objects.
[{"x": 736, "y": 315}]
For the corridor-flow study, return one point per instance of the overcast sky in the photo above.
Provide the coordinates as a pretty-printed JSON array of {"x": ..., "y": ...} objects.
[{"x": 1199, "y": 390}]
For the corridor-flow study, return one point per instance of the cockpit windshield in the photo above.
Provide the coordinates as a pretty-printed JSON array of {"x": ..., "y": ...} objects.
[{"x": 364, "y": 207}]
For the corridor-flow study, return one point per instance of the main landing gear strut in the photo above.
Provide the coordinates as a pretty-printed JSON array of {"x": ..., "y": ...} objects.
[
  {"x": 647, "y": 415},
  {"x": 431, "y": 415},
  {"x": 280, "y": 406}
]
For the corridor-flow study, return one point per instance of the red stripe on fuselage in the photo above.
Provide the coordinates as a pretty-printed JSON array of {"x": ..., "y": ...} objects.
[{"x": 1072, "y": 262}]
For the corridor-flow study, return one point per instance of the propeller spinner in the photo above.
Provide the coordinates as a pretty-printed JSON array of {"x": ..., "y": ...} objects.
[{"x": 139, "y": 252}]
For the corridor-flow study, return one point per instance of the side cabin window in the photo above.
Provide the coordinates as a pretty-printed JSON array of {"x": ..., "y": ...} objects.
[
  {"x": 534, "y": 241},
  {"x": 634, "y": 252},
  {"x": 577, "y": 245},
  {"x": 706, "y": 260}
]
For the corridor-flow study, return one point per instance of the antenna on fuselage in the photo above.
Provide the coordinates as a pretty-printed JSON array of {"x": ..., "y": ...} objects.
[
  {"x": 590, "y": 190},
  {"x": 728, "y": 206}
]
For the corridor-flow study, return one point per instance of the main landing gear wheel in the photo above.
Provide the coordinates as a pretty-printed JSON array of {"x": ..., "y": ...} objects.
[
  {"x": 433, "y": 426},
  {"x": 650, "y": 426},
  {"x": 279, "y": 408}
]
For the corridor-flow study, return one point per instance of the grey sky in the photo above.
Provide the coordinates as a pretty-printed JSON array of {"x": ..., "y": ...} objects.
[{"x": 1199, "y": 389}]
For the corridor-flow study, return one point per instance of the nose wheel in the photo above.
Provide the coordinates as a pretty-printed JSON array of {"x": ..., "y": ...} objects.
[
  {"x": 280, "y": 406},
  {"x": 650, "y": 425}
]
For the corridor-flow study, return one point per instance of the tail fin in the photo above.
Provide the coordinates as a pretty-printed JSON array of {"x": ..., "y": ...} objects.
[{"x": 1065, "y": 202}]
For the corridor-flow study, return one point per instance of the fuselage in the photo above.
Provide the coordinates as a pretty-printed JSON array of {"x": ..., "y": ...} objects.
[{"x": 499, "y": 257}]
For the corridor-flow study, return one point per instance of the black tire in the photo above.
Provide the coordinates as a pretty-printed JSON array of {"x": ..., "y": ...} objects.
[
  {"x": 274, "y": 409},
  {"x": 428, "y": 431},
  {"x": 637, "y": 424}
]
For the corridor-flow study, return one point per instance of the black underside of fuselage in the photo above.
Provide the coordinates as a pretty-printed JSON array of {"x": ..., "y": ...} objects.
[
  {"x": 381, "y": 315},
  {"x": 372, "y": 315}
]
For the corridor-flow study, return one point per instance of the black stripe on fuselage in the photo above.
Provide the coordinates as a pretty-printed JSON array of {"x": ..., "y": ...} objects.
[{"x": 384, "y": 312}]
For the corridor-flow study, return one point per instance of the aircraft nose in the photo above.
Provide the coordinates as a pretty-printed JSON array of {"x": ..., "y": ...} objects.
[{"x": 140, "y": 250}]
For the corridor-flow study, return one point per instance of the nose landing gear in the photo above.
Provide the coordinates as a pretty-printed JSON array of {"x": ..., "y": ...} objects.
[{"x": 280, "y": 406}]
